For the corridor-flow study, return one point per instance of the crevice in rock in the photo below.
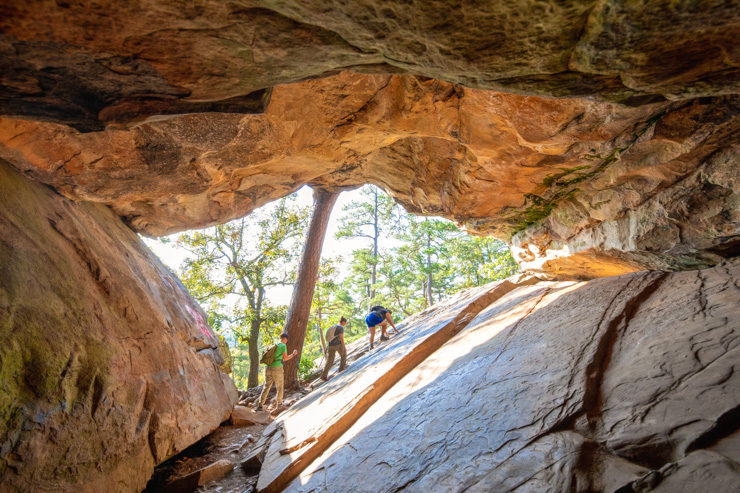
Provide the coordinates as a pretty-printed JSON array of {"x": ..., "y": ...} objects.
[
  {"x": 592, "y": 401},
  {"x": 727, "y": 424},
  {"x": 596, "y": 369},
  {"x": 348, "y": 119}
]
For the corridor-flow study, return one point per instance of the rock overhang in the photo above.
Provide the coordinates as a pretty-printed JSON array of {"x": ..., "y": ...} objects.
[{"x": 639, "y": 141}]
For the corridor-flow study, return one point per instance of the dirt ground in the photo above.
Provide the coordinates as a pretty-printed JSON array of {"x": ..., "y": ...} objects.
[{"x": 228, "y": 442}]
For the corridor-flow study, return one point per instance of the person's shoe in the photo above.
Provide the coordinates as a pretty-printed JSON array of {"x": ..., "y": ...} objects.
[
  {"x": 371, "y": 346},
  {"x": 258, "y": 408},
  {"x": 384, "y": 338}
]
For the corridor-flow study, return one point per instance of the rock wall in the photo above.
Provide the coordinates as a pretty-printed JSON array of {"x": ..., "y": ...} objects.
[
  {"x": 625, "y": 383},
  {"x": 107, "y": 366}
]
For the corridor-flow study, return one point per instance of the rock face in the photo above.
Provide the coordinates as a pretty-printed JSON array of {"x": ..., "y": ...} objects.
[
  {"x": 310, "y": 426},
  {"x": 636, "y": 170},
  {"x": 159, "y": 110},
  {"x": 107, "y": 364},
  {"x": 88, "y": 64},
  {"x": 580, "y": 188},
  {"x": 618, "y": 384}
]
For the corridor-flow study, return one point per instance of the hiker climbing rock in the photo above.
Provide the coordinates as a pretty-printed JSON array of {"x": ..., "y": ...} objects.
[
  {"x": 335, "y": 334},
  {"x": 379, "y": 316},
  {"x": 274, "y": 357}
]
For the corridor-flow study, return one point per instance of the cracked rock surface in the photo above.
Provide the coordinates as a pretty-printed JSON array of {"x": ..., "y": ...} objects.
[
  {"x": 107, "y": 365},
  {"x": 625, "y": 383}
]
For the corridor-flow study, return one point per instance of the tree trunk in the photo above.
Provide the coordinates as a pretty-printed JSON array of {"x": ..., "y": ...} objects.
[
  {"x": 300, "y": 304},
  {"x": 373, "y": 276},
  {"x": 321, "y": 332},
  {"x": 321, "y": 336},
  {"x": 430, "y": 299},
  {"x": 254, "y": 355}
]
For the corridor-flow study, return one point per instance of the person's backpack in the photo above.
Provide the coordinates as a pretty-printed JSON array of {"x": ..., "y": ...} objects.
[
  {"x": 330, "y": 334},
  {"x": 379, "y": 311},
  {"x": 268, "y": 355}
]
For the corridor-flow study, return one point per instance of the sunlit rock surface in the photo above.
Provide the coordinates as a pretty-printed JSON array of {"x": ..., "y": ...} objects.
[
  {"x": 107, "y": 366},
  {"x": 309, "y": 427},
  {"x": 626, "y": 382},
  {"x": 582, "y": 189}
]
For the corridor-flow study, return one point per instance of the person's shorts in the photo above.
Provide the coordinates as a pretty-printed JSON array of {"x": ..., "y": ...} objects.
[{"x": 373, "y": 319}]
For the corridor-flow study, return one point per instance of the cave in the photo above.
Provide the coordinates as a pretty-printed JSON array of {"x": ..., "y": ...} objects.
[{"x": 599, "y": 139}]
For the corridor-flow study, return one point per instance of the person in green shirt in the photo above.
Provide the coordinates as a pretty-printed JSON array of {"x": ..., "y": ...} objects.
[{"x": 274, "y": 372}]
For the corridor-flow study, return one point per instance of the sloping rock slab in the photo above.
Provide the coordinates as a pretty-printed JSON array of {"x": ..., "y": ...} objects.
[
  {"x": 672, "y": 385},
  {"x": 309, "y": 427},
  {"x": 107, "y": 366},
  {"x": 561, "y": 387}
]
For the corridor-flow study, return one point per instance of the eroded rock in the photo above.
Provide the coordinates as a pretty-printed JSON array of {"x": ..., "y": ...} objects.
[
  {"x": 621, "y": 382},
  {"x": 88, "y": 64},
  {"x": 581, "y": 189},
  {"x": 108, "y": 366}
]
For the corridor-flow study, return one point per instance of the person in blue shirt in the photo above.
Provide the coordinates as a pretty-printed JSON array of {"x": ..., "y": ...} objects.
[{"x": 379, "y": 317}]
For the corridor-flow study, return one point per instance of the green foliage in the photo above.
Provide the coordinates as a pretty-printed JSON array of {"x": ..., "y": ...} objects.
[
  {"x": 413, "y": 253},
  {"x": 367, "y": 218},
  {"x": 306, "y": 366},
  {"x": 232, "y": 265}
]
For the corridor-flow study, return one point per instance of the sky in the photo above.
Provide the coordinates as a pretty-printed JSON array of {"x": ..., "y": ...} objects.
[{"x": 280, "y": 295}]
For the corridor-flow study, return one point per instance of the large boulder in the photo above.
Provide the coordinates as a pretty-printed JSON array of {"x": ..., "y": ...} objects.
[
  {"x": 107, "y": 366},
  {"x": 625, "y": 383}
]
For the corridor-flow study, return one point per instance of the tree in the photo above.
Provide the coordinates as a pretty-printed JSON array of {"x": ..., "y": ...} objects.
[
  {"x": 235, "y": 263},
  {"x": 325, "y": 302},
  {"x": 480, "y": 260},
  {"x": 300, "y": 304},
  {"x": 427, "y": 248},
  {"x": 368, "y": 219}
]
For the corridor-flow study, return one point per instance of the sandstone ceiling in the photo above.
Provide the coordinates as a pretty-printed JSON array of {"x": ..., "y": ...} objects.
[
  {"x": 90, "y": 63},
  {"x": 596, "y": 137}
]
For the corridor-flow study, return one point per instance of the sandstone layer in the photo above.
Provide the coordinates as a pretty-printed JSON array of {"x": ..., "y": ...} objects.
[
  {"x": 89, "y": 64},
  {"x": 620, "y": 384},
  {"x": 107, "y": 366},
  {"x": 579, "y": 188},
  {"x": 231, "y": 105}
]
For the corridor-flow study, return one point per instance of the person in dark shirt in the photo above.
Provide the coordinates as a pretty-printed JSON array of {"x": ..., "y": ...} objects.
[
  {"x": 336, "y": 345},
  {"x": 379, "y": 316}
]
